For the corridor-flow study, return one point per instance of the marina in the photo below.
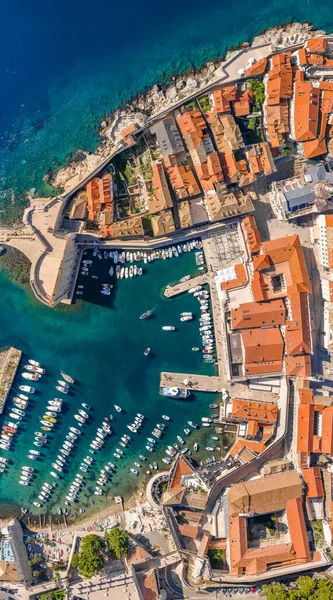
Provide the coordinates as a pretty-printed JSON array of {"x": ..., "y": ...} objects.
[{"x": 110, "y": 329}]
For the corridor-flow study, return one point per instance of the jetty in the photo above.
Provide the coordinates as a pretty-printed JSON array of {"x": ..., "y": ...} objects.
[
  {"x": 185, "y": 286},
  {"x": 9, "y": 362},
  {"x": 193, "y": 382}
]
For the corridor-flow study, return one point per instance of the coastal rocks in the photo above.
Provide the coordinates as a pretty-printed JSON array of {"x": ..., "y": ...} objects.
[
  {"x": 180, "y": 85},
  {"x": 70, "y": 176}
]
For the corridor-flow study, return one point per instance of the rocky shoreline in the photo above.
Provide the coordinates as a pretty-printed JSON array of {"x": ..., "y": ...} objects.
[{"x": 164, "y": 97}]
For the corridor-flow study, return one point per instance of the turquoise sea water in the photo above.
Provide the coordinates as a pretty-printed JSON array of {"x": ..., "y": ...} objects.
[
  {"x": 64, "y": 65},
  {"x": 101, "y": 346}
]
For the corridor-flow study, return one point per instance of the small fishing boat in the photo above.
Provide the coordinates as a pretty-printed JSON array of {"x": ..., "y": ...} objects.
[
  {"x": 118, "y": 409},
  {"x": 146, "y": 352},
  {"x": 147, "y": 314},
  {"x": 165, "y": 417},
  {"x": 168, "y": 328},
  {"x": 86, "y": 406}
]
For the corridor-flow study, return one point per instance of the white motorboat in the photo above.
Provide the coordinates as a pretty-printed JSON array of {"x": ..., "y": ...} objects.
[
  {"x": 35, "y": 363},
  {"x": 30, "y": 376},
  {"x": 168, "y": 328},
  {"x": 27, "y": 388},
  {"x": 118, "y": 408}
]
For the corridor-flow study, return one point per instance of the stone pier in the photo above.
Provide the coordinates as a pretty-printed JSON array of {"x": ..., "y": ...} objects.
[
  {"x": 180, "y": 288},
  {"x": 195, "y": 383},
  {"x": 9, "y": 362}
]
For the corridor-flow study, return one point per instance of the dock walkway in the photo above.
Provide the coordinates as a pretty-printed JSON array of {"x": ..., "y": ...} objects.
[
  {"x": 185, "y": 286},
  {"x": 194, "y": 382}
]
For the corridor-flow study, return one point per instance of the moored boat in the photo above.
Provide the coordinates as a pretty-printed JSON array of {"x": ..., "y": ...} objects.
[{"x": 174, "y": 392}]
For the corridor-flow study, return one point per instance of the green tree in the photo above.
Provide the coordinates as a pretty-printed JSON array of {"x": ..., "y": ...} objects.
[
  {"x": 75, "y": 560},
  {"x": 35, "y": 573},
  {"x": 90, "y": 559},
  {"x": 36, "y": 560},
  {"x": 90, "y": 564},
  {"x": 275, "y": 591},
  {"x": 258, "y": 89},
  {"x": 305, "y": 588},
  {"x": 117, "y": 541},
  {"x": 253, "y": 124}
]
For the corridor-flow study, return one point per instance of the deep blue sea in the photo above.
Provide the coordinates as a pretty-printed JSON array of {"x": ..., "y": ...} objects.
[{"x": 66, "y": 64}]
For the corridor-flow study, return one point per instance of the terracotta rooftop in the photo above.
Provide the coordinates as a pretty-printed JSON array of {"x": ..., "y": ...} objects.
[
  {"x": 181, "y": 467},
  {"x": 239, "y": 280},
  {"x": 298, "y": 336},
  {"x": 313, "y": 482},
  {"x": 257, "y": 68},
  {"x": 163, "y": 223},
  {"x": 247, "y": 410},
  {"x": 286, "y": 255},
  {"x": 263, "y": 350},
  {"x": 252, "y": 233},
  {"x": 258, "y": 314},
  {"x": 260, "y": 496},
  {"x": 242, "y": 103},
  {"x": 162, "y": 198},
  {"x": 317, "y": 44},
  {"x": 298, "y": 366},
  {"x": 261, "y": 159},
  {"x": 100, "y": 195},
  {"x": 148, "y": 584},
  {"x": 256, "y": 447},
  {"x": 306, "y": 111}
]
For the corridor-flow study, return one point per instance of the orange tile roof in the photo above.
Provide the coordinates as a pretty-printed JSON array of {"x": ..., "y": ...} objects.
[
  {"x": 263, "y": 349},
  {"x": 258, "y": 68},
  {"x": 297, "y": 528},
  {"x": 182, "y": 179},
  {"x": 252, "y": 233},
  {"x": 305, "y": 427},
  {"x": 240, "y": 281},
  {"x": 250, "y": 410},
  {"x": 261, "y": 159},
  {"x": 313, "y": 482},
  {"x": 100, "y": 195},
  {"x": 221, "y": 104},
  {"x": 327, "y": 432},
  {"x": 242, "y": 103},
  {"x": 258, "y": 314},
  {"x": 317, "y": 44},
  {"x": 189, "y": 530},
  {"x": 306, "y": 111},
  {"x": 302, "y": 57},
  {"x": 127, "y": 132},
  {"x": 298, "y": 336},
  {"x": 277, "y": 117},
  {"x": 279, "y": 83},
  {"x": 288, "y": 251},
  {"x": 162, "y": 198},
  {"x": 182, "y": 467},
  {"x": 318, "y": 146},
  {"x": 327, "y": 102},
  {"x": 148, "y": 584},
  {"x": 245, "y": 560},
  {"x": 254, "y": 446},
  {"x": 298, "y": 366}
]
